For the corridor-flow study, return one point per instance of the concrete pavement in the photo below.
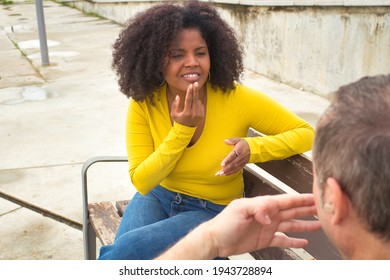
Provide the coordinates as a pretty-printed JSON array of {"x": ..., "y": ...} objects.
[{"x": 53, "y": 118}]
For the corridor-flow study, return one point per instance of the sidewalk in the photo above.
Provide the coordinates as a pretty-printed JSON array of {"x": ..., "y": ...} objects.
[{"x": 53, "y": 118}]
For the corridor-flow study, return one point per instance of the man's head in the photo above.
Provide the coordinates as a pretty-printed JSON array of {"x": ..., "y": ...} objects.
[{"x": 351, "y": 157}]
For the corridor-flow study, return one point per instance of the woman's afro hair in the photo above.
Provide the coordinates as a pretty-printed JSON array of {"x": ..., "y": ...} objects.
[{"x": 143, "y": 44}]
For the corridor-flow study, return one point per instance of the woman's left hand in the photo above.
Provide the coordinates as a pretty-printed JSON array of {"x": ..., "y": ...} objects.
[{"x": 236, "y": 159}]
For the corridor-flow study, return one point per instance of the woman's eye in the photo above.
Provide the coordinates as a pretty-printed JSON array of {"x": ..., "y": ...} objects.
[{"x": 176, "y": 56}]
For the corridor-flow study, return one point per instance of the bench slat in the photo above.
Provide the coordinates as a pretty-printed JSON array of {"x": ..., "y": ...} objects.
[
  {"x": 104, "y": 220},
  {"x": 121, "y": 206},
  {"x": 295, "y": 171},
  {"x": 274, "y": 253},
  {"x": 256, "y": 185}
]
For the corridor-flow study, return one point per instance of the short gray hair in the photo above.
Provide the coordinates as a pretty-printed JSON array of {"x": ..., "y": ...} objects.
[{"x": 352, "y": 145}]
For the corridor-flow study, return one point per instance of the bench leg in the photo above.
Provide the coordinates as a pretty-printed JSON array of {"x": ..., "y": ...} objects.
[
  {"x": 89, "y": 243},
  {"x": 92, "y": 243}
]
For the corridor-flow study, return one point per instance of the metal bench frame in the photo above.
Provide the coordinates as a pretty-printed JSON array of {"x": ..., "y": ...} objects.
[{"x": 89, "y": 234}]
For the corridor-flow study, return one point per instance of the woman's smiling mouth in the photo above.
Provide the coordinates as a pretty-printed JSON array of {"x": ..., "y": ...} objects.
[{"x": 191, "y": 77}]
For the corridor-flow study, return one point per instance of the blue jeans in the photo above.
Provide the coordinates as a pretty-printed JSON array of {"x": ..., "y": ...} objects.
[{"x": 154, "y": 222}]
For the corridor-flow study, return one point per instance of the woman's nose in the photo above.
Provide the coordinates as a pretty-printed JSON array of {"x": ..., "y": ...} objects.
[{"x": 191, "y": 61}]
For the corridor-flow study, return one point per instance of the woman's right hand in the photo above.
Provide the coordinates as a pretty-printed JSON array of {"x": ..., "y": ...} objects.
[{"x": 193, "y": 111}]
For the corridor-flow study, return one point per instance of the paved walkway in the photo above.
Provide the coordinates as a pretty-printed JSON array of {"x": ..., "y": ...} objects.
[{"x": 53, "y": 118}]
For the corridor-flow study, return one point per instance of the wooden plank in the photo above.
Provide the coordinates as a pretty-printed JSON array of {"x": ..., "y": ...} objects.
[
  {"x": 121, "y": 206},
  {"x": 274, "y": 253},
  {"x": 295, "y": 171},
  {"x": 256, "y": 185},
  {"x": 104, "y": 220}
]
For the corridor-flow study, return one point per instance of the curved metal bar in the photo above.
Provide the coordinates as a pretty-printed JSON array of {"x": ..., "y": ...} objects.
[{"x": 90, "y": 251}]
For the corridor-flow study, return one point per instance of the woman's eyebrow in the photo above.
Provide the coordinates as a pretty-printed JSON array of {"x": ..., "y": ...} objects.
[{"x": 183, "y": 50}]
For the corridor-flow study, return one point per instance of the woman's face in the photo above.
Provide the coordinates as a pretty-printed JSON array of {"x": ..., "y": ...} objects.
[{"x": 188, "y": 61}]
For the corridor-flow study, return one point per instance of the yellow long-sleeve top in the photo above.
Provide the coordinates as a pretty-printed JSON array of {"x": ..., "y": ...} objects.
[{"x": 158, "y": 152}]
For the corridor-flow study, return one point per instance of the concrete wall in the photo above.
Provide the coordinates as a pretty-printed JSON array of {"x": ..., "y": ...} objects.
[
  {"x": 313, "y": 45},
  {"x": 314, "y": 48}
]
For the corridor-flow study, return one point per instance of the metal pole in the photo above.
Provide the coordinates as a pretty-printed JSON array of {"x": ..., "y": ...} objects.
[{"x": 42, "y": 33}]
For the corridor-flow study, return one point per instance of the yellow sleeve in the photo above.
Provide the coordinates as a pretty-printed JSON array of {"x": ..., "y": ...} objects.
[
  {"x": 149, "y": 165},
  {"x": 286, "y": 134},
  {"x": 283, "y": 145}
]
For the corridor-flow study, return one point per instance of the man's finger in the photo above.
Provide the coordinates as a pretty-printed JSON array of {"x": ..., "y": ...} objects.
[
  {"x": 282, "y": 240},
  {"x": 299, "y": 226}
]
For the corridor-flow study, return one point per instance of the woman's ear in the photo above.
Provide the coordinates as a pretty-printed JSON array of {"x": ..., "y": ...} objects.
[{"x": 336, "y": 202}]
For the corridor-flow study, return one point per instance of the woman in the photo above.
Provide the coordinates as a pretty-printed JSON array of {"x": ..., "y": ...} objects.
[{"x": 187, "y": 124}]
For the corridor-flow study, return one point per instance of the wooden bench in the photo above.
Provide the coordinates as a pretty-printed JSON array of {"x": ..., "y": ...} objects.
[{"x": 291, "y": 175}]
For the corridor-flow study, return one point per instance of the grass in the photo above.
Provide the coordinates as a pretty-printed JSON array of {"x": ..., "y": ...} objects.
[{"x": 6, "y": 2}]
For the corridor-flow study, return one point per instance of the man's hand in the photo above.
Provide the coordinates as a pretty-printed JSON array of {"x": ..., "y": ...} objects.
[{"x": 250, "y": 224}]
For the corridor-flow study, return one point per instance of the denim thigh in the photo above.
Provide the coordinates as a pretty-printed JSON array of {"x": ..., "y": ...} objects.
[
  {"x": 141, "y": 211},
  {"x": 181, "y": 213}
]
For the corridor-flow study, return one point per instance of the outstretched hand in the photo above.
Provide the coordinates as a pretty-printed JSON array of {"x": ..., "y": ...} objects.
[
  {"x": 250, "y": 224},
  {"x": 246, "y": 225}
]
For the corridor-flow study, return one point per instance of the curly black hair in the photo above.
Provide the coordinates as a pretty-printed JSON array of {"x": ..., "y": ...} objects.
[{"x": 143, "y": 43}]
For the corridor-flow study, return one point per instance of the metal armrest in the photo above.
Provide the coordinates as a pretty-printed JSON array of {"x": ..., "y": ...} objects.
[{"x": 90, "y": 245}]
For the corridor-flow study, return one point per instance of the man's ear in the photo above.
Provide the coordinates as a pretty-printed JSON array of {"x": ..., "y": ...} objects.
[
  {"x": 328, "y": 207},
  {"x": 337, "y": 202}
]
